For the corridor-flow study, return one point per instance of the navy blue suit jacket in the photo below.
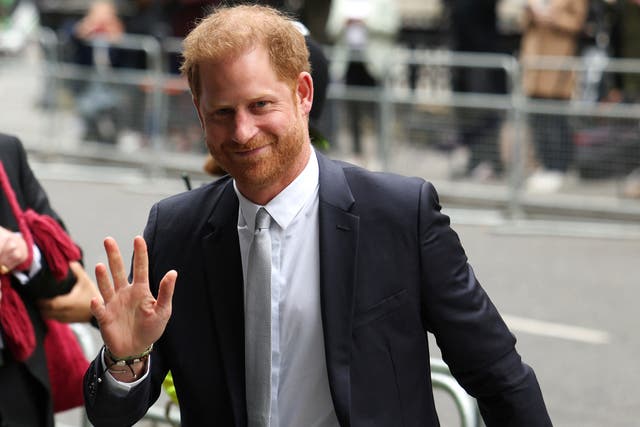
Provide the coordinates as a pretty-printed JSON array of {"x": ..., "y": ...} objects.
[{"x": 391, "y": 270}]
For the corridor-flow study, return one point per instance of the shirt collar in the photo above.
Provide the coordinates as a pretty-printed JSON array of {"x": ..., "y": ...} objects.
[{"x": 288, "y": 203}]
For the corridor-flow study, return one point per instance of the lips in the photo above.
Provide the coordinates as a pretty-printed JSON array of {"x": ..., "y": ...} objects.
[
  {"x": 254, "y": 146},
  {"x": 251, "y": 151}
]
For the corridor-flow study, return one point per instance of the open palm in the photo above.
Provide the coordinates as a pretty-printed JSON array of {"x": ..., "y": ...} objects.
[{"x": 130, "y": 318}]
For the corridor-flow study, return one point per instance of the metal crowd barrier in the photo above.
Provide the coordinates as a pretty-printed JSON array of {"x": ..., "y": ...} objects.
[
  {"x": 466, "y": 405},
  {"x": 444, "y": 114},
  {"x": 415, "y": 130},
  {"x": 89, "y": 348}
]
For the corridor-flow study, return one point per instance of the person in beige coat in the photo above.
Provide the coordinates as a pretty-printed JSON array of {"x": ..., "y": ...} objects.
[{"x": 550, "y": 28}]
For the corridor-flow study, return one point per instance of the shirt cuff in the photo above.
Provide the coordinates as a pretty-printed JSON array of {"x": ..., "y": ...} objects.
[
  {"x": 120, "y": 388},
  {"x": 36, "y": 265}
]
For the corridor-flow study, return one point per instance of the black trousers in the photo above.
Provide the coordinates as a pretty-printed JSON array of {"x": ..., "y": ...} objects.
[
  {"x": 357, "y": 75},
  {"x": 553, "y": 141}
]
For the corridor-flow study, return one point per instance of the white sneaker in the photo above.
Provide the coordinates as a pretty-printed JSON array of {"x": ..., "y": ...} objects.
[{"x": 545, "y": 182}]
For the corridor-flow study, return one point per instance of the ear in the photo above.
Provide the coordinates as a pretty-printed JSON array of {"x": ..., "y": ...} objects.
[{"x": 304, "y": 92}]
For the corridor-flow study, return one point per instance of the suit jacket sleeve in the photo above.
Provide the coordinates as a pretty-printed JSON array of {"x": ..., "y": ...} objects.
[
  {"x": 107, "y": 408},
  {"x": 475, "y": 342}
]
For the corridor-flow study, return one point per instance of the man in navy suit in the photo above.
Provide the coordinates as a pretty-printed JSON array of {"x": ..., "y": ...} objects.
[{"x": 363, "y": 265}]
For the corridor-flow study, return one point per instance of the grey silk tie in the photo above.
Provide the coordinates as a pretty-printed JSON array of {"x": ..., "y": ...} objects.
[{"x": 257, "y": 321}]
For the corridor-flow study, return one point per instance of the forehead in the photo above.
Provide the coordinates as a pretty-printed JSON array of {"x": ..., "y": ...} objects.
[{"x": 248, "y": 75}]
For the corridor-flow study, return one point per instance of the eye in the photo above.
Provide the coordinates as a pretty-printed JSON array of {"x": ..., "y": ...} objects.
[
  {"x": 260, "y": 104},
  {"x": 223, "y": 112}
]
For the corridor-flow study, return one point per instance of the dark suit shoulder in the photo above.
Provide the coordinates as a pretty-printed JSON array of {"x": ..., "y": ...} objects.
[
  {"x": 191, "y": 208},
  {"x": 206, "y": 193},
  {"x": 10, "y": 147},
  {"x": 384, "y": 187}
]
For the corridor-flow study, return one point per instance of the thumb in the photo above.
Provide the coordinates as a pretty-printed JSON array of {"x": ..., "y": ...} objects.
[
  {"x": 97, "y": 309},
  {"x": 165, "y": 291}
]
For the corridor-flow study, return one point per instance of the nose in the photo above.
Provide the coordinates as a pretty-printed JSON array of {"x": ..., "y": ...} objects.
[{"x": 244, "y": 127}]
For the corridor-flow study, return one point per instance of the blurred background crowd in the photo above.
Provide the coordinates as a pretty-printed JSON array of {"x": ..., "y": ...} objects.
[{"x": 451, "y": 51}]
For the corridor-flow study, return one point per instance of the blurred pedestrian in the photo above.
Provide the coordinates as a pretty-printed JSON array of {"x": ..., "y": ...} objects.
[
  {"x": 311, "y": 283},
  {"x": 626, "y": 43},
  {"x": 625, "y": 40},
  {"x": 474, "y": 29},
  {"x": 551, "y": 28},
  {"x": 363, "y": 33}
]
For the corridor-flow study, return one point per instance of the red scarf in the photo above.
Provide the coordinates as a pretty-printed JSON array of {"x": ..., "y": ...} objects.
[{"x": 58, "y": 250}]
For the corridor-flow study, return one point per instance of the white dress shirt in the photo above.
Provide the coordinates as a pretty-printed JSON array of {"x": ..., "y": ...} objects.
[{"x": 300, "y": 393}]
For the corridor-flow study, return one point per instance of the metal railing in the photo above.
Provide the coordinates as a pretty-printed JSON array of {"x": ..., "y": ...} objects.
[
  {"x": 466, "y": 405},
  {"x": 583, "y": 111},
  {"x": 169, "y": 139}
]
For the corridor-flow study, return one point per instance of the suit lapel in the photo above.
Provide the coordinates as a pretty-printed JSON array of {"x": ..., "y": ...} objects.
[
  {"x": 223, "y": 268},
  {"x": 338, "y": 244}
]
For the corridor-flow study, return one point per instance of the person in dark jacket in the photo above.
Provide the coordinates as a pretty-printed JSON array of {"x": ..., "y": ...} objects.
[{"x": 25, "y": 393}]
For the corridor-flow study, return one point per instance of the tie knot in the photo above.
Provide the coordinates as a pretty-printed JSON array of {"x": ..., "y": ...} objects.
[{"x": 263, "y": 219}]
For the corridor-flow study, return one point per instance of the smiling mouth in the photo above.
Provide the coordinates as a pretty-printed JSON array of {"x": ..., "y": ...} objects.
[{"x": 251, "y": 151}]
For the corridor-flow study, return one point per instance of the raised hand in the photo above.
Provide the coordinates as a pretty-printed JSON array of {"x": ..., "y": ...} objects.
[{"x": 130, "y": 318}]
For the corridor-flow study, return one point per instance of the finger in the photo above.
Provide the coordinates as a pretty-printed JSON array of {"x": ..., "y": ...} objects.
[
  {"x": 77, "y": 268},
  {"x": 6, "y": 255},
  {"x": 10, "y": 250},
  {"x": 98, "y": 310},
  {"x": 140, "y": 261},
  {"x": 3, "y": 239},
  {"x": 116, "y": 265},
  {"x": 3, "y": 253},
  {"x": 165, "y": 291},
  {"x": 104, "y": 282}
]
